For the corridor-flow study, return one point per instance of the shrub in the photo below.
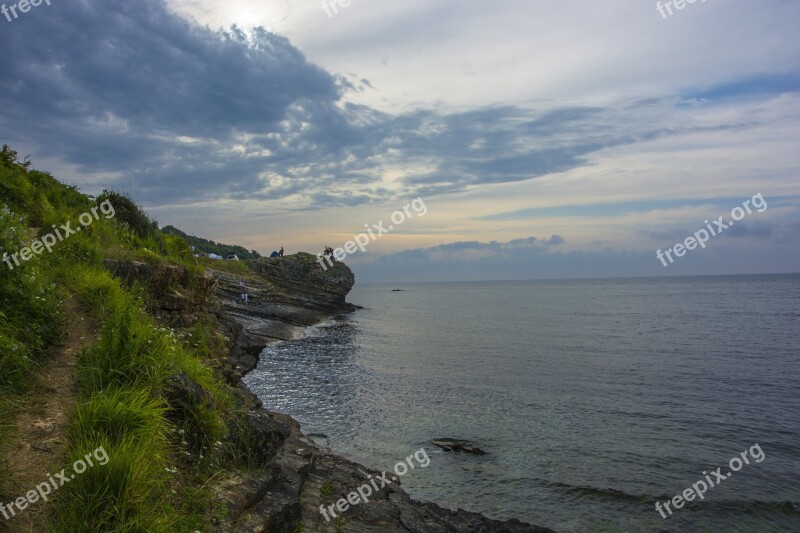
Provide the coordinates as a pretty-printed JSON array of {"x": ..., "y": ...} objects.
[{"x": 127, "y": 212}]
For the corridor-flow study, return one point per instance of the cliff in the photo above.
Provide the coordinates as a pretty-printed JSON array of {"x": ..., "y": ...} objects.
[
  {"x": 299, "y": 279},
  {"x": 292, "y": 475},
  {"x": 284, "y": 296}
]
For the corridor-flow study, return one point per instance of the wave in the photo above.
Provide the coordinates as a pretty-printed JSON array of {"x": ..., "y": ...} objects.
[{"x": 608, "y": 494}]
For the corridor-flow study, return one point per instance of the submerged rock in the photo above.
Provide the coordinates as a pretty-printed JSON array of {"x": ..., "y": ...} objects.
[{"x": 456, "y": 445}]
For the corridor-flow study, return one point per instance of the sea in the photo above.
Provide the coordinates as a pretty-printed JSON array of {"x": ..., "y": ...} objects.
[{"x": 594, "y": 399}]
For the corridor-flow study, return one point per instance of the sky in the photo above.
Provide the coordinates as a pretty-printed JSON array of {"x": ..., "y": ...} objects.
[{"x": 545, "y": 138}]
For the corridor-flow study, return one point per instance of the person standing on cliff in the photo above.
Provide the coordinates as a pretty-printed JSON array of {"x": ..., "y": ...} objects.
[{"x": 280, "y": 252}]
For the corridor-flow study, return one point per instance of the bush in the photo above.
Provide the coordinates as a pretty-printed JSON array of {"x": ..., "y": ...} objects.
[{"x": 128, "y": 213}]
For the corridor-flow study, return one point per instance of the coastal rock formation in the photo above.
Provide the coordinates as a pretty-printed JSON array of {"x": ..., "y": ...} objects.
[
  {"x": 286, "y": 494},
  {"x": 301, "y": 280},
  {"x": 174, "y": 294},
  {"x": 288, "y": 294},
  {"x": 284, "y": 296}
]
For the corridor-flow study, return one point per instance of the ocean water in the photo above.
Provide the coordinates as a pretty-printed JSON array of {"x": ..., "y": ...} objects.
[{"x": 593, "y": 398}]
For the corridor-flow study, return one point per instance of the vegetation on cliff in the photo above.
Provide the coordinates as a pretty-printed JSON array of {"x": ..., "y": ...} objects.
[{"x": 147, "y": 396}]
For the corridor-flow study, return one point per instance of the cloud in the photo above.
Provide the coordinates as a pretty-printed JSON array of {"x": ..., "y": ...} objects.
[
  {"x": 121, "y": 87},
  {"x": 472, "y": 249},
  {"x": 533, "y": 258},
  {"x": 756, "y": 229},
  {"x": 664, "y": 235},
  {"x": 136, "y": 94}
]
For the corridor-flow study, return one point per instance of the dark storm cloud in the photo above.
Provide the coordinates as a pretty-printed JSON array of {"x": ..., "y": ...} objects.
[
  {"x": 504, "y": 144},
  {"x": 147, "y": 66},
  {"x": 188, "y": 114},
  {"x": 112, "y": 86}
]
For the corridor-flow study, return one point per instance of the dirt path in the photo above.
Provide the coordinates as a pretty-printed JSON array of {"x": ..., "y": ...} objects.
[{"x": 38, "y": 441}]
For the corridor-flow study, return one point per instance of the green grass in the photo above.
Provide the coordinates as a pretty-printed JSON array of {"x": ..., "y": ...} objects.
[
  {"x": 129, "y": 406},
  {"x": 116, "y": 414},
  {"x": 204, "y": 341},
  {"x": 238, "y": 268},
  {"x": 30, "y": 296},
  {"x": 126, "y": 494},
  {"x": 146, "y": 396}
]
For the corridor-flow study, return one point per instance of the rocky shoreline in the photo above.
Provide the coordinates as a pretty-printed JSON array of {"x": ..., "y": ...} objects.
[{"x": 293, "y": 475}]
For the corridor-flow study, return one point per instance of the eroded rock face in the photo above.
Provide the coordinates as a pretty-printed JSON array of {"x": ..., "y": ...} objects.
[
  {"x": 304, "y": 282},
  {"x": 175, "y": 295},
  {"x": 286, "y": 495},
  {"x": 284, "y": 296}
]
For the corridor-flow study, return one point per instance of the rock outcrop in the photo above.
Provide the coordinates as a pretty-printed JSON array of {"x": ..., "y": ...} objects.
[
  {"x": 302, "y": 281},
  {"x": 289, "y": 294},
  {"x": 284, "y": 296},
  {"x": 286, "y": 494},
  {"x": 174, "y": 293}
]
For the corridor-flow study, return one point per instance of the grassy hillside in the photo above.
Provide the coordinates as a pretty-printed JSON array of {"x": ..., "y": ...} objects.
[
  {"x": 210, "y": 247},
  {"x": 162, "y": 446}
]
